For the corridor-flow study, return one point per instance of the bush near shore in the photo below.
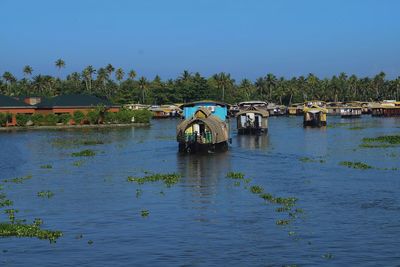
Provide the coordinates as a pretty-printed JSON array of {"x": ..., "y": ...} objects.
[{"x": 92, "y": 117}]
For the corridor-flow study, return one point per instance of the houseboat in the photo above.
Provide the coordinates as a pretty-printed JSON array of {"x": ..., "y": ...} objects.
[
  {"x": 334, "y": 108},
  {"x": 204, "y": 127},
  {"x": 314, "y": 113},
  {"x": 387, "y": 108},
  {"x": 276, "y": 110},
  {"x": 252, "y": 117},
  {"x": 351, "y": 110},
  {"x": 165, "y": 111},
  {"x": 295, "y": 109}
]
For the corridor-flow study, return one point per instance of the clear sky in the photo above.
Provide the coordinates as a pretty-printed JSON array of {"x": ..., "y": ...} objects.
[{"x": 247, "y": 38}]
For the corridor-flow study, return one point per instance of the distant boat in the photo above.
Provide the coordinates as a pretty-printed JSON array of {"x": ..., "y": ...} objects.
[
  {"x": 252, "y": 117},
  {"x": 295, "y": 109},
  {"x": 351, "y": 110},
  {"x": 204, "y": 128},
  {"x": 314, "y": 113}
]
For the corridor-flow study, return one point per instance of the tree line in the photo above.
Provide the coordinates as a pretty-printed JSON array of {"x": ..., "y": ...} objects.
[{"x": 123, "y": 86}]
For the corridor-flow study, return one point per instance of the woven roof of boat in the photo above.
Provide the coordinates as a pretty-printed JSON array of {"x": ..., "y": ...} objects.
[
  {"x": 217, "y": 127},
  {"x": 253, "y": 109}
]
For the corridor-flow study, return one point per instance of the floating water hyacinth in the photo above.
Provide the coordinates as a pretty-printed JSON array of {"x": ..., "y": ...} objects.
[
  {"x": 84, "y": 153},
  {"x": 168, "y": 178}
]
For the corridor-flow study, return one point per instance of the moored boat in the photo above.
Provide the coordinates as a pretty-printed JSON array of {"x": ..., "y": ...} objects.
[
  {"x": 204, "y": 128},
  {"x": 315, "y": 113},
  {"x": 252, "y": 117}
]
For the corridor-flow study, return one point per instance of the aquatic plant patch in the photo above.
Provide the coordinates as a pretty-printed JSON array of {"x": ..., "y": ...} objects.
[
  {"x": 84, "y": 153},
  {"x": 144, "y": 213},
  {"x": 356, "y": 165},
  {"x": 168, "y": 178},
  {"x": 256, "y": 189},
  {"x": 69, "y": 143},
  {"x": 18, "y": 180},
  {"x": 45, "y": 194},
  {"x": 48, "y": 166},
  {"x": 383, "y": 141},
  {"x": 235, "y": 175},
  {"x": 311, "y": 160},
  {"x": 28, "y": 230}
]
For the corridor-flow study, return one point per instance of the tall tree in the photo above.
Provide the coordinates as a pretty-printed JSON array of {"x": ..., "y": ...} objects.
[
  {"x": 60, "y": 64},
  {"x": 132, "y": 74},
  {"x": 87, "y": 74},
  {"x": 143, "y": 85},
  {"x": 27, "y": 70}
]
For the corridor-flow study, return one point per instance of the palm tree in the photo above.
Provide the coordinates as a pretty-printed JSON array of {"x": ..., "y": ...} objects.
[
  {"x": 186, "y": 75},
  {"x": 270, "y": 81},
  {"x": 60, "y": 64},
  {"x": 223, "y": 80},
  {"x": 87, "y": 74},
  {"x": 132, "y": 74},
  {"x": 246, "y": 85},
  {"x": 9, "y": 79},
  {"x": 110, "y": 69},
  {"x": 27, "y": 70},
  {"x": 119, "y": 75},
  {"x": 143, "y": 83},
  {"x": 260, "y": 85}
]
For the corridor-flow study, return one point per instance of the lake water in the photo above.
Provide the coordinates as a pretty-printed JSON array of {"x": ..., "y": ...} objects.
[{"x": 351, "y": 216}]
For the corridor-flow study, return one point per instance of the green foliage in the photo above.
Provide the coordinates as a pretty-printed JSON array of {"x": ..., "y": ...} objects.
[
  {"x": 48, "y": 166},
  {"x": 18, "y": 180},
  {"x": 84, "y": 153},
  {"x": 50, "y": 119},
  {"x": 22, "y": 119},
  {"x": 110, "y": 117},
  {"x": 355, "y": 165},
  {"x": 93, "y": 116},
  {"x": 256, "y": 189},
  {"x": 383, "y": 141},
  {"x": 28, "y": 230},
  {"x": 65, "y": 118},
  {"x": 3, "y": 119},
  {"x": 144, "y": 213},
  {"x": 45, "y": 194},
  {"x": 78, "y": 117},
  {"x": 235, "y": 175},
  {"x": 37, "y": 119},
  {"x": 168, "y": 178}
]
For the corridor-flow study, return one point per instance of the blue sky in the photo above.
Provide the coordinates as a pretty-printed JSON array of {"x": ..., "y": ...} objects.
[{"x": 247, "y": 38}]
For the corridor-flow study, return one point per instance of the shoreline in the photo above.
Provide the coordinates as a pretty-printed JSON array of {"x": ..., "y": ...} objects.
[{"x": 63, "y": 127}]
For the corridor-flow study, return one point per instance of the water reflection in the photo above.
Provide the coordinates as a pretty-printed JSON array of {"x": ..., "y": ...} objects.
[
  {"x": 203, "y": 169},
  {"x": 253, "y": 141}
]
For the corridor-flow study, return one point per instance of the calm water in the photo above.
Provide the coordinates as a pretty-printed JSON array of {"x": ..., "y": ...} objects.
[{"x": 351, "y": 217}]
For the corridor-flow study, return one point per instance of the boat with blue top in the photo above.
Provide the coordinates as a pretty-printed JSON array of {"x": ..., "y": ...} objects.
[{"x": 205, "y": 127}]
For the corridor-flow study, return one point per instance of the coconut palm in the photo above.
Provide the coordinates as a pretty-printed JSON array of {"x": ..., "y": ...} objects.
[
  {"x": 270, "y": 82},
  {"x": 27, "y": 70},
  {"x": 110, "y": 69},
  {"x": 132, "y": 74},
  {"x": 143, "y": 84},
  {"x": 223, "y": 81},
  {"x": 9, "y": 79},
  {"x": 119, "y": 75},
  {"x": 87, "y": 75},
  {"x": 59, "y": 64},
  {"x": 260, "y": 85}
]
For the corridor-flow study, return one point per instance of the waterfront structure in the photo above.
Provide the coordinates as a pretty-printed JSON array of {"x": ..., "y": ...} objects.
[
  {"x": 12, "y": 107},
  {"x": 165, "y": 111},
  {"x": 204, "y": 127}
]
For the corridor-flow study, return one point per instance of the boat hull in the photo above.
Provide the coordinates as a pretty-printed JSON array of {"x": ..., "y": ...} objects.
[
  {"x": 195, "y": 147},
  {"x": 251, "y": 131}
]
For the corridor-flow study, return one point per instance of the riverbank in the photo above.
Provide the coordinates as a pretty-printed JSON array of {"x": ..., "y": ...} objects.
[{"x": 63, "y": 127}]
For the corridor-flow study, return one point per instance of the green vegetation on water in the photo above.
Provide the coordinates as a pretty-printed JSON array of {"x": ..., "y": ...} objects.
[
  {"x": 168, "y": 178},
  {"x": 84, "y": 153},
  {"x": 256, "y": 189},
  {"x": 307, "y": 159},
  {"x": 355, "y": 165},
  {"x": 383, "y": 141},
  {"x": 48, "y": 166},
  {"x": 18, "y": 180},
  {"x": 45, "y": 194},
  {"x": 144, "y": 213},
  {"x": 28, "y": 230},
  {"x": 235, "y": 175}
]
